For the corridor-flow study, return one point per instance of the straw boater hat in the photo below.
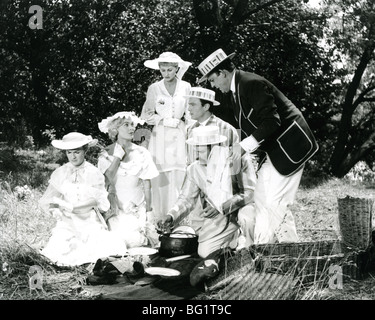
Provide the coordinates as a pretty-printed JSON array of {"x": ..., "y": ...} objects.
[
  {"x": 74, "y": 140},
  {"x": 169, "y": 57},
  {"x": 105, "y": 124},
  {"x": 205, "y": 135},
  {"x": 202, "y": 93},
  {"x": 212, "y": 61}
]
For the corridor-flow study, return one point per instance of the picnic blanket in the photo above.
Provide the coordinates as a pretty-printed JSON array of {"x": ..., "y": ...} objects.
[{"x": 135, "y": 285}]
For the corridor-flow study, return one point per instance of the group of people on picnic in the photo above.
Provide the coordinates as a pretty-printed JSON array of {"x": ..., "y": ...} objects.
[{"x": 196, "y": 169}]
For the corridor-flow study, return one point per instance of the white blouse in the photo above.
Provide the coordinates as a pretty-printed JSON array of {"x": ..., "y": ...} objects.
[
  {"x": 129, "y": 187},
  {"x": 77, "y": 184},
  {"x": 165, "y": 105}
]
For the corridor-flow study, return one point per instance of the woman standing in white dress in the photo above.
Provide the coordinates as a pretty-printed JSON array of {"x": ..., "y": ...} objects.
[
  {"x": 164, "y": 108},
  {"x": 76, "y": 196},
  {"x": 128, "y": 169}
]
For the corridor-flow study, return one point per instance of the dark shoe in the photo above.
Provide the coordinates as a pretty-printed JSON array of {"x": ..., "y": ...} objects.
[{"x": 207, "y": 268}]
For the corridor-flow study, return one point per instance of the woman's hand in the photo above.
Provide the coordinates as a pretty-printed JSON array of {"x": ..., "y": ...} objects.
[
  {"x": 56, "y": 213},
  {"x": 150, "y": 117},
  {"x": 61, "y": 204},
  {"x": 118, "y": 151},
  {"x": 148, "y": 114}
]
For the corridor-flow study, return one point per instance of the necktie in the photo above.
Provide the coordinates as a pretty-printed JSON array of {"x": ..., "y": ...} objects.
[
  {"x": 238, "y": 107},
  {"x": 234, "y": 96}
]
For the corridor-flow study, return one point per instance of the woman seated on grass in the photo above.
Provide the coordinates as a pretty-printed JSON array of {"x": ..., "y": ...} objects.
[
  {"x": 128, "y": 169},
  {"x": 75, "y": 196}
]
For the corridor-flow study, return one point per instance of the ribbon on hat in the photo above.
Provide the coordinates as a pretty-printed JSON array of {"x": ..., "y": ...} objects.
[{"x": 183, "y": 67}]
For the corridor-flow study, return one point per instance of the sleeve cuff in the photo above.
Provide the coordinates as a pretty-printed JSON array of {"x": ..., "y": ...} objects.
[
  {"x": 250, "y": 144},
  {"x": 172, "y": 212}
]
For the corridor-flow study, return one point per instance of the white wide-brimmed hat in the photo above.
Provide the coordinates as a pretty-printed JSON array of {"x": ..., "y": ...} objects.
[
  {"x": 205, "y": 135},
  {"x": 203, "y": 93},
  {"x": 74, "y": 140},
  {"x": 104, "y": 125},
  {"x": 212, "y": 61},
  {"x": 169, "y": 57}
]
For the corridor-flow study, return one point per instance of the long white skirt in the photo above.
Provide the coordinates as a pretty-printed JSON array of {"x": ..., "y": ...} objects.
[
  {"x": 132, "y": 227},
  {"x": 81, "y": 238},
  {"x": 168, "y": 150}
]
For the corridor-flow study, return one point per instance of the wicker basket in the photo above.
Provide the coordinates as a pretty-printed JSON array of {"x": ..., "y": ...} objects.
[
  {"x": 307, "y": 262},
  {"x": 252, "y": 285},
  {"x": 355, "y": 215}
]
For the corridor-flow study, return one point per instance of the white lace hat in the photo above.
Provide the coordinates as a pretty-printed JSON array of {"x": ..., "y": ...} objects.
[
  {"x": 169, "y": 57},
  {"x": 203, "y": 93},
  {"x": 104, "y": 125},
  {"x": 212, "y": 61},
  {"x": 74, "y": 140},
  {"x": 205, "y": 135}
]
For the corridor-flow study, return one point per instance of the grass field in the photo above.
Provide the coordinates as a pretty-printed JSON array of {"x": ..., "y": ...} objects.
[{"x": 24, "y": 229}]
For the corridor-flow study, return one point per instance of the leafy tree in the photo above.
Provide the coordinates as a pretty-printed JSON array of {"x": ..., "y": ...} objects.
[
  {"x": 354, "y": 41},
  {"x": 280, "y": 40},
  {"x": 85, "y": 64},
  {"x": 87, "y": 61}
]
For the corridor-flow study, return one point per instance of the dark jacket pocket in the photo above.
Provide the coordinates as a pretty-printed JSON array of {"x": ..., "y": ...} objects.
[{"x": 295, "y": 143}]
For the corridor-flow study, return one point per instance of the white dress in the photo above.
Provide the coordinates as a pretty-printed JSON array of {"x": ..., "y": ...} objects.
[
  {"x": 130, "y": 223},
  {"x": 167, "y": 143},
  {"x": 80, "y": 237}
]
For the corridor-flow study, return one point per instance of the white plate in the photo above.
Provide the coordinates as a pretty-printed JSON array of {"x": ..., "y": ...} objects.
[
  {"x": 142, "y": 251},
  {"x": 162, "y": 271}
]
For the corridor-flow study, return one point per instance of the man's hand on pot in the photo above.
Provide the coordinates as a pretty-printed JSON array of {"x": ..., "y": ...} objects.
[{"x": 166, "y": 224}]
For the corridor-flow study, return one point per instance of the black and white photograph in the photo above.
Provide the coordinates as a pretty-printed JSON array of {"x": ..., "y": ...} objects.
[{"x": 187, "y": 156}]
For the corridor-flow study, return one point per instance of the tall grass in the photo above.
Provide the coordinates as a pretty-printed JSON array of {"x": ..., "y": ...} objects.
[{"x": 25, "y": 228}]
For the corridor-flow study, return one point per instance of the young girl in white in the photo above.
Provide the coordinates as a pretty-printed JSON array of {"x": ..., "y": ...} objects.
[{"x": 128, "y": 169}]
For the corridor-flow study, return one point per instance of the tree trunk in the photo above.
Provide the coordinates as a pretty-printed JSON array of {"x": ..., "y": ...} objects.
[
  {"x": 341, "y": 150},
  {"x": 208, "y": 15},
  {"x": 352, "y": 158}
]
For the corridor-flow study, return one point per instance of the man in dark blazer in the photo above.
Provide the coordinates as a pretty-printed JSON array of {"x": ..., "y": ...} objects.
[{"x": 271, "y": 123}]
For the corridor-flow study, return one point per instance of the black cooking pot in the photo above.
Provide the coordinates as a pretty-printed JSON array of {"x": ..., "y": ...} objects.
[{"x": 178, "y": 244}]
